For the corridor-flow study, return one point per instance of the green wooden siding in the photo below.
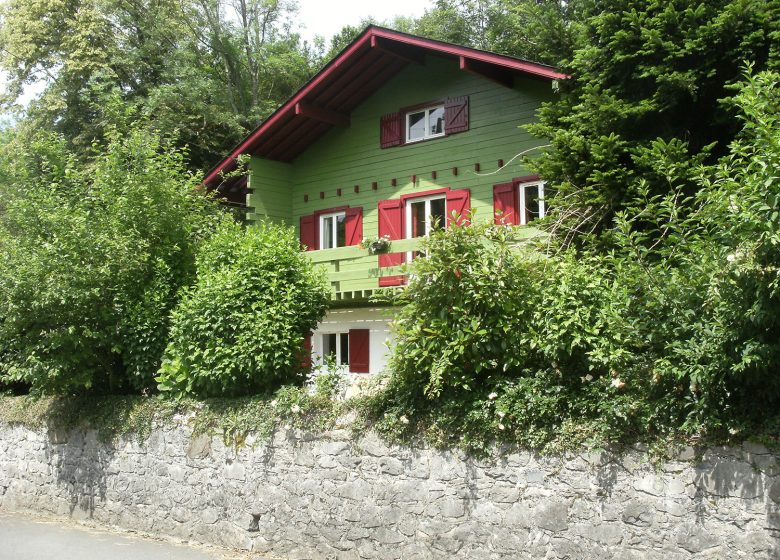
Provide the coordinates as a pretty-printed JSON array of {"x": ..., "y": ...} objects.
[
  {"x": 269, "y": 195},
  {"x": 351, "y": 156}
]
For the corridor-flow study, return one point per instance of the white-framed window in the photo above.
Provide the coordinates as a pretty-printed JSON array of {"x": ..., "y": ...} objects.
[
  {"x": 422, "y": 124},
  {"x": 531, "y": 201},
  {"x": 336, "y": 345},
  {"x": 333, "y": 230},
  {"x": 425, "y": 214}
]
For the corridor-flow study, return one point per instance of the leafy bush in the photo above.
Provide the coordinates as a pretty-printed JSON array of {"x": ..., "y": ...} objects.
[
  {"x": 240, "y": 329},
  {"x": 675, "y": 331},
  {"x": 91, "y": 259}
]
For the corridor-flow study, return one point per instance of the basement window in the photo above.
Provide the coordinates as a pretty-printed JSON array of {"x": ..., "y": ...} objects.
[{"x": 336, "y": 346}]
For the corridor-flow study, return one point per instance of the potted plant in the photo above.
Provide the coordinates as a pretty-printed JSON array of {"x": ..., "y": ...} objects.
[{"x": 376, "y": 245}]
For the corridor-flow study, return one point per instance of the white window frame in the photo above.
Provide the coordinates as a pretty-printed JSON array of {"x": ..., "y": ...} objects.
[
  {"x": 521, "y": 200},
  {"x": 334, "y": 215},
  {"x": 427, "y": 135},
  {"x": 428, "y": 225},
  {"x": 338, "y": 347}
]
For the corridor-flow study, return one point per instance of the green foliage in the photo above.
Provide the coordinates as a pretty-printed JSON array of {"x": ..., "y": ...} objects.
[
  {"x": 234, "y": 420},
  {"x": 648, "y": 81},
  {"x": 542, "y": 31},
  {"x": 91, "y": 259},
  {"x": 204, "y": 71},
  {"x": 674, "y": 332},
  {"x": 239, "y": 330},
  {"x": 111, "y": 416}
]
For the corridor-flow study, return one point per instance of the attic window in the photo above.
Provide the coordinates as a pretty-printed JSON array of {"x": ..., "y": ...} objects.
[
  {"x": 425, "y": 123},
  {"x": 428, "y": 120}
]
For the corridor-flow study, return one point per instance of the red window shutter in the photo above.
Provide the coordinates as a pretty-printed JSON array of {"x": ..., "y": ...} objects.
[
  {"x": 306, "y": 353},
  {"x": 459, "y": 206},
  {"x": 390, "y": 130},
  {"x": 354, "y": 225},
  {"x": 456, "y": 114},
  {"x": 391, "y": 214},
  {"x": 505, "y": 204},
  {"x": 309, "y": 232},
  {"x": 358, "y": 350}
]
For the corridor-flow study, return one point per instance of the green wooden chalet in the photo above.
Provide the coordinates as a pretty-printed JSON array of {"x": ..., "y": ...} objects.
[{"x": 396, "y": 134}]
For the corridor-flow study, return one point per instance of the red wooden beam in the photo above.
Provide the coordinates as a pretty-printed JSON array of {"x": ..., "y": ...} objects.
[
  {"x": 494, "y": 73},
  {"x": 321, "y": 114},
  {"x": 352, "y": 97},
  {"x": 349, "y": 74},
  {"x": 398, "y": 50}
]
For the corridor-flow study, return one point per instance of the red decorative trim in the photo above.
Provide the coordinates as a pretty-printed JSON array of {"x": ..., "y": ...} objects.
[
  {"x": 408, "y": 109},
  {"x": 387, "y": 281},
  {"x": 318, "y": 213},
  {"x": 525, "y": 179},
  {"x": 431, "y": 192}
]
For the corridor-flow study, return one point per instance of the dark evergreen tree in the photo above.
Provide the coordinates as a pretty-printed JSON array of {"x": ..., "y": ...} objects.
[{"x": 645, "y": 102}]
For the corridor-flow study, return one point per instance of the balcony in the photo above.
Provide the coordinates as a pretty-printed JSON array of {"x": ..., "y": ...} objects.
[{"x": 354, "y": 274}]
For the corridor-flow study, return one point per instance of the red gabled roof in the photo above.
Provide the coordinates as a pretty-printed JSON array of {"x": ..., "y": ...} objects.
[{"x": 358, "y": 71}]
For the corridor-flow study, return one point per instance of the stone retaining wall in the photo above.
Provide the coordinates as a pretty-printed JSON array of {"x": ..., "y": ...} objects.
[{"x": 331, "y": 497}]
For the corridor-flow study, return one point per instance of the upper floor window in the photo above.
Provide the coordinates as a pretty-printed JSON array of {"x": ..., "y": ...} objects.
[
  {"x": 519, "y": 202},
  {"x": 333, "y": 231},
  {"x": 425, "y": 123},
  {"x": 531, "y": 198},
  {"x": 423, "y": 215},
  {"x": 431, "y": 119},
  {"x": 341, "y": 226}
]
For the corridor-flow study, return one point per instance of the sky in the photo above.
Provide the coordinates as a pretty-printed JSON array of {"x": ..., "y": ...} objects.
[
  {"x": 326, "y": 18},
  {"x": 320, "y": 17}
]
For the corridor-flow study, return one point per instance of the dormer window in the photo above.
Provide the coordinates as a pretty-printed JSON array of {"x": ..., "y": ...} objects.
[{"x": 425, "y": 123}]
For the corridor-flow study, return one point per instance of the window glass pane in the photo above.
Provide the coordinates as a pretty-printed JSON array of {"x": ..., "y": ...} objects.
[
  {"x": 416, "y": 126},
  {"x": 438, "y": 213},
  {"x": 531, "y": 203},
  {"x": 418, "y": 218},
  {"x": 327, "y": 233},
  {"x": 436, "y": 120},
  {"x": 341, "y": 230},
  {"x": 344, "y": 354},
  {"x": 328, "y": 345}
]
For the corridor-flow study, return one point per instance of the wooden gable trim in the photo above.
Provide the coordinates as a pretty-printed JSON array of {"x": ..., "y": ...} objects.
[{"x": 403, "y": 48}]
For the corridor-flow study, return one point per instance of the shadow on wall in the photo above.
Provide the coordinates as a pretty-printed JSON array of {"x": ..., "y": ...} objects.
[
  {"x": 752, "y": 476},
  {"x": 80, "y": 463}
]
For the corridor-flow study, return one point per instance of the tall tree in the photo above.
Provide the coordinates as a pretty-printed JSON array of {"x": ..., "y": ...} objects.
[
  {"x": 645, "y": 103},
  {"x": 204, "y": 70}
]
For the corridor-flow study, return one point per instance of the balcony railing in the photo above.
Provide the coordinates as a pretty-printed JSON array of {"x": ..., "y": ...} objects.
[{"x": 354, "y": 274}]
